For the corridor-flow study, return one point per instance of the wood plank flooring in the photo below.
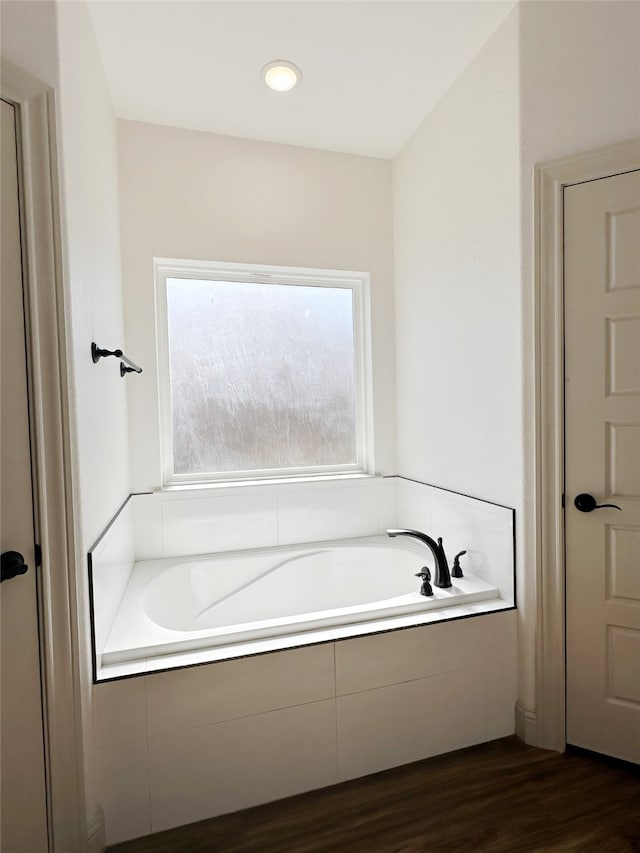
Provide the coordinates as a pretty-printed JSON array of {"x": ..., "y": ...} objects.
[{"x": 501, "y": 797}]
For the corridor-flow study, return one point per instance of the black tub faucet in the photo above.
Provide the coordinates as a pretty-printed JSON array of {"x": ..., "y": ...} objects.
[{"x": 442, "y": 575}]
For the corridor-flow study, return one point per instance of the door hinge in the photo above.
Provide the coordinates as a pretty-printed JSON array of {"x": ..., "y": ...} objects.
[
  {"x": 563, "y": 500},
  {"x": 37, "y": 550}
]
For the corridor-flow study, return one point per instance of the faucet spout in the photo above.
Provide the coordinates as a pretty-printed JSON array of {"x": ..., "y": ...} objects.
[{"x": 442, "y": 575}]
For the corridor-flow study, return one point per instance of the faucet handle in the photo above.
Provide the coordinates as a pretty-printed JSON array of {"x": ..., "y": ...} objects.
[
  {"x": 425, "y": 574},
  {"x": 456, "y": 569}
]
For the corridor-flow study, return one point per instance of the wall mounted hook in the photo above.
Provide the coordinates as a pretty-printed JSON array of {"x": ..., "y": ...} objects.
[
  {"x": 127, "y": 367},
  {"x": 124, "y": 369},
  {"x": 98, "y": 352}
]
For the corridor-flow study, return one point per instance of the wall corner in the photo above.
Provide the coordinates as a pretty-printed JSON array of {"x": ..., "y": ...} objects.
[
  {"x": 526, "y": 724},
  {"x": 96, "y": 839}
]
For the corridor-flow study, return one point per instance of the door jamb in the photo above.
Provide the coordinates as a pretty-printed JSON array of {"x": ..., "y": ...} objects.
[
  {"x": 51, "y": 455},
  {"x": 550, "y": 180}
]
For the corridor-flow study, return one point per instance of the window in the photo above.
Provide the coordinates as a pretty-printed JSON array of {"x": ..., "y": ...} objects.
[{"x": 264, "y": 371}]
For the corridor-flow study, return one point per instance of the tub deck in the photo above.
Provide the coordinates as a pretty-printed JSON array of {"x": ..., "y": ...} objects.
[{"x": 185, "y": 611}]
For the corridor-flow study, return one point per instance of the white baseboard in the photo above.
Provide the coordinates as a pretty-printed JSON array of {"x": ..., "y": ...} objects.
[
  {"x": 526, "y": 725},
  {"x": 96, "y": 839}
]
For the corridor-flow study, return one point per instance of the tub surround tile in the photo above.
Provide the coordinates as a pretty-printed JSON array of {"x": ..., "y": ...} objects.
[
  {"x": 264, "y": 749},
  {"x": 394, "y": 725},
  {"x": 306, "y": 515},
  {"x": 147, "y": 525},
  {"x": 460, "y": 527},
  {"x": 369, "y": 662},
  {"x": 418, "y": 502},
  {"x": 122, "y": 781},
  {"x": 458, "y": 716},
  {"x": 487, "y": 531},
  {"x": 501, "y": 694},
  {"x": 477, "y": 608},
  {"x": 387, "y": 503},
  {"x": 207, "y": 491},
  {"x": 110, "y": 579},
  {"x": 414, "y": 506},
  {"x": 240, "y": 650},
  {"x": 178, "y": 746},
  {"x": 115, "y": 671},
  {"x": 394, "y": 623},
  {"x": 119, "y": 712},
  {"x": 195, "y": 658},
  {"x": 483, "y": 529},
  {"x": 501, "y": 636},
  {"x": 129, "y": 632},
  {"x": 208, "y": 525},
  {"x": 413, "y": 620},
  {"x": 212, "y": 770},
  {"x": 189, "y": 698},
  {"x": 237, "y": 516},
  {"x": 204, "y": 519},
  {"x": 112, "y": 561},
  {"x": 116, "y": 540},
  {"x": 330, "y": 484},
  {"x": 489, "y": 545}
]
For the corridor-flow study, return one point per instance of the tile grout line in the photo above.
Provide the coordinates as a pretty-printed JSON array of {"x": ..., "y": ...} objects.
[
  {"x": 484, "y": 700},
  {"x": 146, "y": 742},
  {"x": 188, "y": 728},
  {"x": 162, "y": 537},
  {"x": 335, "y": 711},
  {"x": 481, "y": 665}
]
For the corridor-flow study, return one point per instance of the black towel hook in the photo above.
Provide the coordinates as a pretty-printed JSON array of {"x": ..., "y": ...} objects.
[{"x": 128, "y": 367}]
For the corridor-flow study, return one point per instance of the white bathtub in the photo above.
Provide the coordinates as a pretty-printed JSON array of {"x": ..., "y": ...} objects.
[{"x": 181, "y": 605}]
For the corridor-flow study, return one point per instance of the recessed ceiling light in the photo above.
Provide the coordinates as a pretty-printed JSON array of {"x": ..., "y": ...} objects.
[{"x": 281, "y": 75}]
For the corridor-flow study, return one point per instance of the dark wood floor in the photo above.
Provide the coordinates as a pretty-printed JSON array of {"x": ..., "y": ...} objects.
[{"x": 501, "y": 797}]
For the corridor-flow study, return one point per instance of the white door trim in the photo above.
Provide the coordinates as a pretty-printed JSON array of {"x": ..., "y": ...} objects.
[
  {"x": 550, "y": 180},
  {"x": 51, "y": 452}
]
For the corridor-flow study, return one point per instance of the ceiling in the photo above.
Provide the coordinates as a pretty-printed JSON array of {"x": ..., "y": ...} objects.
[{"x": 371, "y": 69}]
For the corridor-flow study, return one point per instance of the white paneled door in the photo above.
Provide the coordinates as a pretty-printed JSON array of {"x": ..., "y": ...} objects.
[
  {"x": 23, "y": 820},
  {"x": 602, "y": 421}
]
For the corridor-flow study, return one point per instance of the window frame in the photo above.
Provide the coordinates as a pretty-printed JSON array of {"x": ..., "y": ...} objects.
[{"x": 356, "y": 281}]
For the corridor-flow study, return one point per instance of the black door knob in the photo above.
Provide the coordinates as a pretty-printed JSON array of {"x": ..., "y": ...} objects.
[
  {"x": 587, "y": 503},
  {"x": 13, "y": 564}
]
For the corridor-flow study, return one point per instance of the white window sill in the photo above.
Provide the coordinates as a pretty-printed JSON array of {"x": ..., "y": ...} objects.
[{"x": 272, "y": 481}]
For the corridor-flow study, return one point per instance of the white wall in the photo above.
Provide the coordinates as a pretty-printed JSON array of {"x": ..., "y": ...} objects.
[
  {"x": 580, "y": 89},
  {"x": 555, "y": 79},
  {"x": 580, "y": 77},
  {"x": 56, "y": 43},
  {"x": 186, "y": 194},
  {"x": 91, "y": 261},
  {"x": 457, "y": 251},
  {"x": 89, "y": 168},
  {"x": 28, "y": 38},
  {"x": 456, "y": 202}
]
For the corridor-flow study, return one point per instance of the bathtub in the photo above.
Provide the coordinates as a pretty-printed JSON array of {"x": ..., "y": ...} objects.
[{"x": 178, "y": 605}]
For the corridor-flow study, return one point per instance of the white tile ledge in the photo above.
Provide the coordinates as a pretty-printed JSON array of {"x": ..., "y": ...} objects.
[
  {"x": 211, "y": 488},
  {"x": 293, "y": 641}
]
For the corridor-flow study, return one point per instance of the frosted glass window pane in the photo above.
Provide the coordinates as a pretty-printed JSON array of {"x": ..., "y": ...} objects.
[{"x": 262, "y": 376}]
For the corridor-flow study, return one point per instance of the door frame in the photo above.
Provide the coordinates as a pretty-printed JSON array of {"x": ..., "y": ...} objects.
[
  {"x": 51, "y": 449},
  {"x": 550, "y": 180}
]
